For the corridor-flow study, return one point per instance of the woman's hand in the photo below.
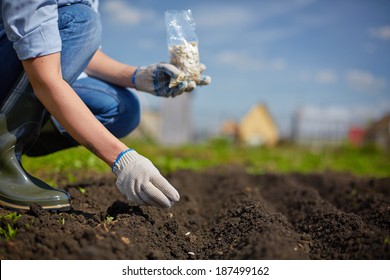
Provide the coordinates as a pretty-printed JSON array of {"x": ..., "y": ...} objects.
[
  {"x": 157, "y": 79},
  {"x": 141, "y": 182}
]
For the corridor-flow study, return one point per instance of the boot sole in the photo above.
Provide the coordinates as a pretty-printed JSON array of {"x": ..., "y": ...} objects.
[{"x": 58, "y": 207}]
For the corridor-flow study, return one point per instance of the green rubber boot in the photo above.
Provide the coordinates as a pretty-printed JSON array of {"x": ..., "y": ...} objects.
[{"x": 21, "y": 117}]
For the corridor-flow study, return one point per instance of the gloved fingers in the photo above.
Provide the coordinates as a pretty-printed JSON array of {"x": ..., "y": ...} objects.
[
  {"x": 185, "y": 86},
  {"x": 179, "y": 89},
  {"x": 154, "y": 197},
  {"x": 135, "y": 199},
  {"x": 165, "y": 187},
  {"x": 202, "y": 67},
  {"x": 165, "y": 76},
  {"x": 191, "y": 86},
  {"x": 126, "y": 187},
  {"x": 169, "y": 69},
  {"x": 203, "y": 80}
]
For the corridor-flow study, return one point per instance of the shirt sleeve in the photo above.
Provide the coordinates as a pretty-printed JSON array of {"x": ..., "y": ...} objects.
[{"x": 32, "y": 26}]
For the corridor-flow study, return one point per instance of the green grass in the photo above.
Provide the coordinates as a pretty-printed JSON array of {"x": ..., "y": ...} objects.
[
  {"x": 7, "y": 231},
  {"x": 366, "y": 161}
]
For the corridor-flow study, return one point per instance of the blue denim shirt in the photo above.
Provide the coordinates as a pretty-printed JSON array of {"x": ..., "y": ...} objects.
[{"x": 32, "y": 25}]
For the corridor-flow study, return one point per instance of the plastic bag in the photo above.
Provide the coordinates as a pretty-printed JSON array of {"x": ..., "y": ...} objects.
[{"x": 182, "y": 44}]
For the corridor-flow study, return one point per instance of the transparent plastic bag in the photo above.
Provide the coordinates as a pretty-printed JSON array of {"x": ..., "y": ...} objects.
[{"x": 182, "y": 44}]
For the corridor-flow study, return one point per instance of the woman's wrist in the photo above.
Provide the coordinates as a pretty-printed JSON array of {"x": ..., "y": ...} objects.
[{"x": 133, "y": 76}]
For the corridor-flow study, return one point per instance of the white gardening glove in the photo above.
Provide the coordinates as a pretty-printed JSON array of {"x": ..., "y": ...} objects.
[
  {"x": 141, "y": 182},
  {"x": 203, "y": 80},
  {"x": 156, "y": 79}
]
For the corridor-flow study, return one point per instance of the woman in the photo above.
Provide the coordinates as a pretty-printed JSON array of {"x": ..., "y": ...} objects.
[{"x": 45, "y": 46}]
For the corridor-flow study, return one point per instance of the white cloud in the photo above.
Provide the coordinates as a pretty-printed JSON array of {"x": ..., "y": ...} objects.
[
  {"x": 244, "y": 62},
  {"x": 122, "y": 12},
  {"x": 356, "y": 79},
  {"x": 226, "y": 21},
  {"x": 304, "y": 76},
  {"x": 242, "y": 15},
  {"x": 382, "y": 32},
  {"x": 272, "y": 34},
  {"x": 147, "y": 44},
  {"x": 325, "y": 76},
  {"x": 240, "y": 60},
  {"x": 273, "y": 9},
  {"x": 212, "y": 15},
  {"x": 278, "y": 64},
  {"x": 365, "y": 81},
  {"x": 222, "y": 16}
]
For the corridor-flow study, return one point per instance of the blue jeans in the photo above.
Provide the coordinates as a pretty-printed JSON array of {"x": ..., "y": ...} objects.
[{"x": 117, "y": 108}]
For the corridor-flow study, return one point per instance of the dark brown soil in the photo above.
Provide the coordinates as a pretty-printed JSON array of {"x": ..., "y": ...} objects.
[{"x": 222, "y": 214}]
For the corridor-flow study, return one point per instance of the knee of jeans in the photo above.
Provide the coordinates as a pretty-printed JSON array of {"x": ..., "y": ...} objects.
[
  {"x": 127, "y": 119},
  {"x": 81, "y": 21},
  {"x": 131, "y": 118},
  {"x": 93, "y": 32}
]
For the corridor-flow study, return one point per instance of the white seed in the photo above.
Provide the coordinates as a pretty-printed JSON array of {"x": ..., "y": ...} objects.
[
  {"x": 187, "y": 65},
  {"x": 191, "y": 253},
  {"x": 186, "y": 58},
  {"x": 188, "y": 233}
]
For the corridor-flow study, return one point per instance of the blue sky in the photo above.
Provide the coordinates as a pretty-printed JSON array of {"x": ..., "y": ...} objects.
[{"x": 329, "y": 58}]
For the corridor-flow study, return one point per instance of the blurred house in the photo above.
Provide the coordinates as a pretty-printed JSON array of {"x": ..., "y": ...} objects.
[
  {"x": 356, "y": 135},
  {"x": 378, "y": 133},
  {"x": 256, "y": 128}
]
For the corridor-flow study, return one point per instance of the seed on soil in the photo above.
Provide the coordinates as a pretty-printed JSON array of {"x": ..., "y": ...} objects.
[
  {"x": 125, "y": 240},
  {"x": 191, "y": 253},
  {"x": 188, "y": 233}
]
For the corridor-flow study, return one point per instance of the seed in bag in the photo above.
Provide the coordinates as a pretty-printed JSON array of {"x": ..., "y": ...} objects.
[
  {"x": 182, "y": 44},
  {"x": 186, "y": 58}
]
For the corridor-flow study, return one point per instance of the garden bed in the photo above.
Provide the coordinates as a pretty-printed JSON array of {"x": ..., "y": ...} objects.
[{"x": 223, "y": 213}]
